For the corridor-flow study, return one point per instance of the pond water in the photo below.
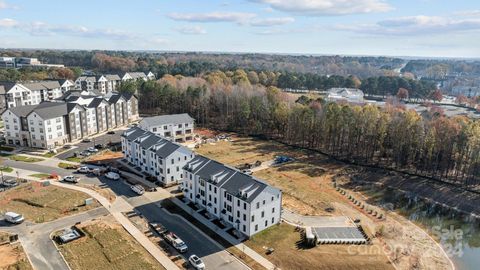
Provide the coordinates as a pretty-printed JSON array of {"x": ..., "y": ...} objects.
[{"x": 458, "y": 234}]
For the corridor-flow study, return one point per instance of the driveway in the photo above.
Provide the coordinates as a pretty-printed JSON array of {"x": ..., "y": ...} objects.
[{"x": 36, "y": 242}]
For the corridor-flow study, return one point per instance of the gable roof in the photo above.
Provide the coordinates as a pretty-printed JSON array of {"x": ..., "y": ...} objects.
[
  {"x": 96, "y": 102},
  {"x": 42, "y": 85},
  {"x": 22, "y": 111},
  {"x": 112, "y": 77},
  {"x": 86, "y": 78},
  {"x": 174, "y": 119},
  {"x": 7, "y": 86},
  {"x": 48, "y": 110},
  {"x": 167, "y": 149}
]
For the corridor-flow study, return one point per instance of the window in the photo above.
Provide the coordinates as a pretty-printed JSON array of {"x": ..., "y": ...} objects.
[
  {"x": 244, "y": 228},
  {"x": 273, "y": 220},
  {"x": 173, "y": 161},
  {"x": 33, "y": 136},
  {"x": 238, "y": 214},
  {"x": 229, "y": 197},
  {"x": 168, "y": 170},
  {"x": 253, "y": 218},
  {"x": 256, "y": 227},
  {"x": 48, "y": 122},
  {"x": 273, "y": 210},
  {"x": 154, "y": 129},
  {"x": 263, "y": 202},
  {"x": 244, "y": 217},
  {"x": 50, "y": 136},
  {"x": 244, "y": 206},
  {"x": 263, "y": 214},
  {"x": 238, "y": 203},
  {"x": 164, "y": 127},
  {"x": 49, "y": 129},
  {"x": 266, "y": 223},
  {"x": 215, "y": 200},
  {"x": 258, "y": 205},
  {"x": 59, "y": 120},
  {"x": 180, "y": 125}
]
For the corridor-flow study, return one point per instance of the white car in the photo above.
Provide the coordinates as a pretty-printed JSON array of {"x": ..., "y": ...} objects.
[
  {"x": 112, "y": 176},
  {"x": 196, "y": 262},
  {"x": 84, "y": 169},
  {"x": 137, "y": 189},
  {"x": 92, "y": 149},
  {"x": 70, "y": 179}
]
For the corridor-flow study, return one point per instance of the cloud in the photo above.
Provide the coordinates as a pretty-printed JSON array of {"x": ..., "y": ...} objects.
[
  {"x": 327, "y": 7},
  {"x": 415, "y": 25},
  {"x": 5, "y": 5},
  {"x": 191, "y": 30},
  {"x": 272, "y": 21},
  {"x": 44, "y": 29},
  {"x": 8, "y": 23},
  {"x": 238, "y": 17},
  {"x": 468, "y": 13}
]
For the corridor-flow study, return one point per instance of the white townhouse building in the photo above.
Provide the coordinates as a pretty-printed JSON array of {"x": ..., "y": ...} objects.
[
  {"x": 101, "y": 84},
  {"x": 175, "y": 127},
  {"x": 155, "y": 156},
  {"x": 244, "y": 202},
  {"x": 346, "y": 94}
]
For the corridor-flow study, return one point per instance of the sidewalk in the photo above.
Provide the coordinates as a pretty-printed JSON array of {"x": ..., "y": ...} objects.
[
  {"x": 248, "y": 251},
  {"x": 115, "y": 209}
]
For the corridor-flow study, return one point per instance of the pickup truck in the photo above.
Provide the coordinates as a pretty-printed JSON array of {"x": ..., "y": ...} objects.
[{"x": 176, "y": 242}]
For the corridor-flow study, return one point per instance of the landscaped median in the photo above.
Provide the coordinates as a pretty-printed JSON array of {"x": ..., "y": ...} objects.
[
  {"x": 39, "y": 203},
  {"x": 106, "y": 245},
  {"x": 22, "y": 158}
]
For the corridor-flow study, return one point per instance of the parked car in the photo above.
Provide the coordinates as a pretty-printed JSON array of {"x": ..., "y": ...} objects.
[
  {"x": 85, "y": 153},
  {"x": 196, "y": 262},
  {"x": 99, "y": 146},
  {"x": 112, "y": 176},
  {"x": 67, "y": 146},
  {"x": 111, "y": 132},
  {"x": 137, "y": 189},
  {"x": 92, "y": 149},
  {"x": 84, "y": 169},
  {"x": 14, "y": 218},
  {"x": 70, "y": 179},
  {"x": 87, "y": 140},
  {"x": 10, "y": 183}
]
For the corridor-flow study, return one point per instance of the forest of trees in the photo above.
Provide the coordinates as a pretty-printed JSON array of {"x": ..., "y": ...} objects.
[{"x": 431, "y": 145}]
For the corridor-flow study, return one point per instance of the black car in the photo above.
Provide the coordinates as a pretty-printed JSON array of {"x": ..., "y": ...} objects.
[
  {"x": 86, "y": 140},
  {"x": 111, "y": 132},
  {"x": 99, "y": 146}
]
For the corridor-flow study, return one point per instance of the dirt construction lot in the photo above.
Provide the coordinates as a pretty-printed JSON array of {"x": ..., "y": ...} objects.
[
  {"x": 307, "y": 189},
  {"x": 12, "y": 256},
  {"x": 107, "y": 245},
  {"x": 39, "y": 203}
]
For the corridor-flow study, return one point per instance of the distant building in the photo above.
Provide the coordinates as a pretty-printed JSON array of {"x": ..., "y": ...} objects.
[
  {"x": 244, "y": 202},
  {"x": 175, "y": 127},
  {"x": 468, "y": 91},
  {"x": 347, "y": 94},
  {"x": 28, "y": 93},
  {"x": 85, "y": 83},
  {"x": 7, "y": 62},
  {"x": 19, "y": 62}
]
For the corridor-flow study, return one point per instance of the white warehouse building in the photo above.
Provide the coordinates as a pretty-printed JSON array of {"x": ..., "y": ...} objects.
[{"x": 247, "y": 204}]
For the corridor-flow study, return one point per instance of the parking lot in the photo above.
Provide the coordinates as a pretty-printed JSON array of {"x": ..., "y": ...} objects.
[{"x": 103, "y": 139}]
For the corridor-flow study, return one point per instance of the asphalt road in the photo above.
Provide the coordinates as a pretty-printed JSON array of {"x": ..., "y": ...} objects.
[
  {"x": 81, "y": 146},
  {"x": 214, "y": 257},
  {"x": 36, "y": 241}
]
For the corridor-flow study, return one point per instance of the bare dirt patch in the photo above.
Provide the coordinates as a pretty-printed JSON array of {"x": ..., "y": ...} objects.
[
  {"x": 40, "y": 203},
  {"x": 12, "y": 256},
  {"x": 107, "y": 245}
]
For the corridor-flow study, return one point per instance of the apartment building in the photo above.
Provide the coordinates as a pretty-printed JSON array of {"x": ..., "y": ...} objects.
[
  {"x": 244, "y": 202},
  {"x": 28, "y": 93},
  {"x": 128, "y": 76},
  {"x": 113, "y": 82},
  {"x": 175, "y": 127},
  {"x": 73, "y": 118},
  {"x": 155, "y": 156},
  {"x": 85, "y": 83},
  {"x": 66, "y": 85}
]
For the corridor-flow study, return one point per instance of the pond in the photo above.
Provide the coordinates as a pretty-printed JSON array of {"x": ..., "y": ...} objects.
[{"x": 459, "y": 234}]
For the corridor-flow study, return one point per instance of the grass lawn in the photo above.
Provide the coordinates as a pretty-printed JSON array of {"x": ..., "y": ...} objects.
[
  {"x": 40, "y": 203},
  {"x": 74, "y": 159},
  {"x": 6, "y": 148},
  {"x": 49, "y": 154},
  {"x": 65, "y": 165},
  {"x": 290, "y": 254},
  {"x": 107, "y": 246},
  {"x": 24, "y": 158},
  {"x": 6, "y": 169},
  {"x": 40, "y": 175}
]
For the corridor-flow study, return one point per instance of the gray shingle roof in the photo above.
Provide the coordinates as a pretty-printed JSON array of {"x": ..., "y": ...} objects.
[
  {"x": 22, "y": 111},
  {"x": 85, "y": 78},
  {"x": 42, "y": 85},
  {"x": 95, "y": 102},
  {"x": 112, "y": 77},
  {"x": 48, "y": 110},
  {"x": 174, "y": 119},
  {"x": 151, "y": 140},
  {"x": 167, "y": 149},
  {"x": 133, "y": 133},
  {"x": 228, "y": 178}
]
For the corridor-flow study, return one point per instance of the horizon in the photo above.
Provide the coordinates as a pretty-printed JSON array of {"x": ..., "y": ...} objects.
[{"x": 420, "y": 29}]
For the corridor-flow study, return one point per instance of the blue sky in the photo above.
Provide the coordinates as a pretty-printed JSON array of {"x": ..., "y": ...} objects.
[{"x": 431, "y": 28}]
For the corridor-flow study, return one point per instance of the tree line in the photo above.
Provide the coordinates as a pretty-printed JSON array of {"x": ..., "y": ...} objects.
[{"x": 432, "y": 145}]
